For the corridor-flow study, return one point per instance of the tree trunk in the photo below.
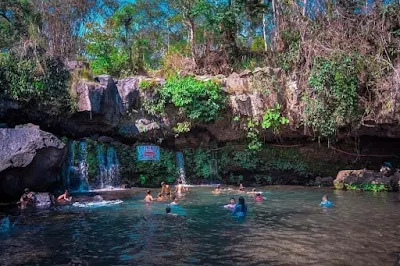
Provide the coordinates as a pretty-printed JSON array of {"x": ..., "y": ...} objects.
[{"x": 264, "y": 29}]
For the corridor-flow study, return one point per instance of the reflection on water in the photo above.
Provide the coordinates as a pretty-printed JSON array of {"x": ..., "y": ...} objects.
[{"x": 288, "y": 228}]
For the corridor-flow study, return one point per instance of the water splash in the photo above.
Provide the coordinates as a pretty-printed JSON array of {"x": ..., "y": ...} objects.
[{"x": 83, "y": 167}]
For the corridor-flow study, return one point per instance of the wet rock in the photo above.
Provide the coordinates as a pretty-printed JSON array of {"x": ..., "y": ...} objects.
[
  {"x": 366, "y": 177},
  {"x": 105, "y": 139},
  {"x": 29, "y": 157},
  {"x": 44, "y": 200}
]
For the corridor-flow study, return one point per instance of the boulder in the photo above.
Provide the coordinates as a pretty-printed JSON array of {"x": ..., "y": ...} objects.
[
  {"x": 29, "y": 157},
  {"x": 100, "y": 98},
  {"x": 44, "y": 200},
  {"x": 236, "y": 83},
  {"x": 364, "y": 177}
]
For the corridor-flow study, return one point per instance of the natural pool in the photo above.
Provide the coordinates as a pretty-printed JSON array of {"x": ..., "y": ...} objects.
[{"x": 288, "y": 228}]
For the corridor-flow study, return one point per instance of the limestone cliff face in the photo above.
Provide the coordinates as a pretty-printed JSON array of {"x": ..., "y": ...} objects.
[{"x": 113, "y": 107}]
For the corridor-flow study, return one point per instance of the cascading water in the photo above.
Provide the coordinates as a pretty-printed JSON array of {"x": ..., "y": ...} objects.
[
  {"x": 108, "y": 168},
  {"x": 102, "y": 160},
  {"x": 181, "y": 167},
  {"x": 83, "y": 167}
]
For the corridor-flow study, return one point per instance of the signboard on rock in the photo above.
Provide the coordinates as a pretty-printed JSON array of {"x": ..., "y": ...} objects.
[{"x": 148, "y": 153}]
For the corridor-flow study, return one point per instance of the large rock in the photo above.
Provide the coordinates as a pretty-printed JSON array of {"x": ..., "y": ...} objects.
[
  {"x": 30, "y": 158},
  {"x": 361, "y": 178},
  {"x": 100, "y": 98}
]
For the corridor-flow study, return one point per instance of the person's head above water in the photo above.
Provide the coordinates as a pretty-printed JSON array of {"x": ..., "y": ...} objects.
[
  {"x": 26, "y": 190},
  {"x": 175, "y": 199},
  {"x": 148, "y": 192},
  {"x": 324, "y": 197},
  {"x": 218, "y": 186},
  {"x": 180, "y": 181},
  {"x": 253, "y": 190},
  {"x": 232, "y": 201},
  {"x": 258, "y": 195},
  {"x": 162, "y": 183},
  {"x": 168, "y": 210}
]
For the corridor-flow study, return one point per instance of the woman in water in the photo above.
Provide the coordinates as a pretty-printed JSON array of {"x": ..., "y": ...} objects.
[
  {"x": 231, "y": 204},
  {"x": 258, "y": 197},
  {"x": 149, "y": 197},
  {"x": 65, "y": 197},
  {"x": 240, "y": 208},
  {"x": 325, "y": 202}
]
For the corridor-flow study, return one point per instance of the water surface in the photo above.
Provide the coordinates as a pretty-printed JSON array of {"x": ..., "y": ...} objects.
[{"x": 288, "y": 228}]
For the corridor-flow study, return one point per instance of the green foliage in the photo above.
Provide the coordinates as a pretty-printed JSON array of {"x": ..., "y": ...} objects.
[
  {"x": 284, "y": 160},
  {"x": 290, "y": 56},
  {"x": 149, "y": 173},
  {"x": 91, "y": 159},
  {"x": 367, "y": 187},
  {"x": 148, "y": 84},
  {"x": 253, "y": 135},
  {"x": 182, "y": 127},
  {"x": 333, "y": 102},
  {"x": 273, "y": 119},
  {"x": 197, "y": 100},
  {"x": 21, "y": 78}
]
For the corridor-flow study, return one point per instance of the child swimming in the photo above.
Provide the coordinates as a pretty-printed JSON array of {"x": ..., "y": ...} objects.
[
  {"x": 240, "y": 208},
  {"x": 231, "y": 204},
  {"x": 325, "y": 202},
  {"x": 148, "y": 198}
]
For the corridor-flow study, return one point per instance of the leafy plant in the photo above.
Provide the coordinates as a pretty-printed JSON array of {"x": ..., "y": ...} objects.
[
  {"x": 181, "y": 128},
  {"x": 273, "y": 119},
  {"x": 253, "y": 135},
  {"x": 148, "y": 84},
  {"x": 333, "y": 102}
]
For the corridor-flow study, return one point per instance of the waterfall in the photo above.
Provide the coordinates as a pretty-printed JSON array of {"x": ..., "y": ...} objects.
[
  {"x": 75, "y": 171},
  {"x": 181, "y": 167},
  {"x": 83, "y": 167},
  {"x": 108, "y": 167}
]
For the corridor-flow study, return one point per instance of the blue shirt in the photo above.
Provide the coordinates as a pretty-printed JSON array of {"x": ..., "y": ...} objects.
[{"x": 239, "y": 211}]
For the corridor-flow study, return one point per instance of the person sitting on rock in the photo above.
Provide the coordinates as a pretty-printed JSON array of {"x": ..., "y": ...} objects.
[
  {"x": 325, "y": 202},
  {"x": 65, "y": 197}
]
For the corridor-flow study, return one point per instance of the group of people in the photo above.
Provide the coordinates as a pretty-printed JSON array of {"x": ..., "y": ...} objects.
[
  {"x": 28, "y": 199},
  {"x": 166, "y": 193}
]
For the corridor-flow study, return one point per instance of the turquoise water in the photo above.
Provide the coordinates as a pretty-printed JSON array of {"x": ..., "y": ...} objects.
[{"x": 288, "y": 228}]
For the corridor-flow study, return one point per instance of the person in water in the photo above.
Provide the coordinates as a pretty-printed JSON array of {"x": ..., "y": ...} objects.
[
  {"x": 253, "y": 191},
  {"x": 241, "y": 187},
  {"x": 231, "y": 205},
  {"x": 174, "y": 201},
  {"x": 258, "y": 197},
  {"x": 160, "y": 197},
  {"x": 240, "y": 208},
  {"x": 26, "y": 199},
  {"x": 149, "y": 197},
  {"x": 165, "y": 189},
  {"x": 65, "y": 197},
  {"x": 325, "y": 202},
  {"x": 179, "y": 188},
  {"x": 217, "y": 190},
  {"x": 168, "y": 211}
]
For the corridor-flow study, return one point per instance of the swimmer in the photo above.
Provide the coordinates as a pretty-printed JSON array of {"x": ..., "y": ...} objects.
[
  {"x": 325, "y": 202},
  {"x": 165, "y": 189},
  {"x": 148, "y": 198},
  {"x": 240, "y": 208},
  {"x": 217, "y": 190},
  {"x": 168, "y": 211},
  {"x": 241, "y": 187},
  {"x": 179, "y": 188},
  {"x": 26, "y": 199},
  {"x": 160, "y": 197},
  {"x": 174, "y": 201},
  {"x": 65, "y": 197},
  {"x": 231, "y": 204},
  {"x": 258, "y": 197}
]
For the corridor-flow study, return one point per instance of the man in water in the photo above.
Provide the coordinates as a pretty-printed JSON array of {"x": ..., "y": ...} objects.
[
  {"x": 65, "y": 197},
  {"x": 168, "y": 211},
  {"x": 165, "y": 189},
  {"x": 149, "y": 197}
]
